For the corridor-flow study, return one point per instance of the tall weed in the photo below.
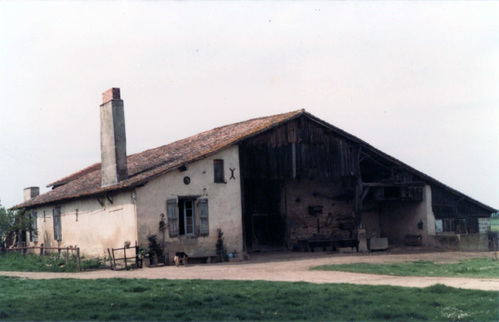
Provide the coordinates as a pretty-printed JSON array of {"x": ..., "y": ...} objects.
[{"x": 46, "y": 263}]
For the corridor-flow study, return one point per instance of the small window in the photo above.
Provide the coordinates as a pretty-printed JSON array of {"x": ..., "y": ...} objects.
[
  {"x": 57, "y": 223},
  {"x": 218, "y": 169},
  {"x": 439, "y": 226}
]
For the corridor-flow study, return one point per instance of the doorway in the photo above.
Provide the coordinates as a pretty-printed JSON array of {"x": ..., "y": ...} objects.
[{"x": 264, "y": 224}]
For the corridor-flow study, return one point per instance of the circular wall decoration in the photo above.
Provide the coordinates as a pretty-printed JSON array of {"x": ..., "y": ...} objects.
[{"x": 187, "y": 180}]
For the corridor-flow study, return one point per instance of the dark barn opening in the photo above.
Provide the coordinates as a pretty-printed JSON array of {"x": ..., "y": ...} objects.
[
  {"x": 289, "y": 170},
  {"x": 308, "y": 184}
]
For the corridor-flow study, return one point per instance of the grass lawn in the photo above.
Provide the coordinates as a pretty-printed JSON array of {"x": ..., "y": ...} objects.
[
  {"x": 121, "y": 299},
  {"x": 477, "y": 267}
]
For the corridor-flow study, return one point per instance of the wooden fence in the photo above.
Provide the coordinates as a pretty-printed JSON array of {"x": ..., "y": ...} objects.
[
  {"x": 43, "y": 250},
  {"x": 130, "y": 259}
]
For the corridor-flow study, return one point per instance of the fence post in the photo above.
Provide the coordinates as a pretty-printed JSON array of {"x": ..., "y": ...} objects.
[
  {"x": 67, "y": 255},
  {"x": 78, "y": 259},
  {"x": 41, "y": 249},
  {"x": 110, "y": 259},
  {"x": 137, "y": 255},
  {"x": 124, "y": 255}
]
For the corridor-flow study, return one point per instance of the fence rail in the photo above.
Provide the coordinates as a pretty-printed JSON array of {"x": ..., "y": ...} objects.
[
  {"x": 59, "y": 250},
  {"x": 133, "y": 256}
]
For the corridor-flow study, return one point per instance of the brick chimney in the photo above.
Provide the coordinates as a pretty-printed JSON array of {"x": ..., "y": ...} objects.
[
  {"x": 112, "y": 138},
  {"x": 31, "y": 192}
]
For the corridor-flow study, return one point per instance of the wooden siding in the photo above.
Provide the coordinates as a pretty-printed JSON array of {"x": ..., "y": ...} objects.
[{"x": 318, "y": 153}]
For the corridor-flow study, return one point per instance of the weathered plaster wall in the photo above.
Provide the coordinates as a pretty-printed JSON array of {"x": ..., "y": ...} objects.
[
  {"x": 301, "y": 194},
  {"x": 224, "y": 202},
  {"x": 44, "y": 227},
  {"x": 95, "y": 229},
  {"x": 399, "y": 218}
]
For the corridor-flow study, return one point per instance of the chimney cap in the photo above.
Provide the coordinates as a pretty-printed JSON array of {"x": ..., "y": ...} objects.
[
  {"x": 31, "y": 192},
  {"x": 111, "y": 94}
]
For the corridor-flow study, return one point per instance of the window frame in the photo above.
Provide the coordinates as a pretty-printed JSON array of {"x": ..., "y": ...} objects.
[
  {"x": 185, "y": 212},
  {"x": 188, "y": 216},
  {"x": 219, "y": 171}
]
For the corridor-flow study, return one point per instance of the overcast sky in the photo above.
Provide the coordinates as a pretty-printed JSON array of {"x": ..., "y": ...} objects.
[{"x": 417, "y": 80}]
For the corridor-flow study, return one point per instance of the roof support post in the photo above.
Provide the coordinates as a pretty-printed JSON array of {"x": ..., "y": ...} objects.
[{"x": 359, "y": 193}]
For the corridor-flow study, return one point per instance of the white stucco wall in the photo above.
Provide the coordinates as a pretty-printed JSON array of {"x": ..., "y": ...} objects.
[
  {"x": 224, "y": 202},
  {"x": 400, "y": 218},
  {"x": 95, "y": 229}
]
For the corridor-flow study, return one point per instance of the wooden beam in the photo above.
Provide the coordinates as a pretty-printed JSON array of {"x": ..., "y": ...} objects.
[
  {"x": 381, "y": 184},
  {"x": 364, "y": 193},
  {"x": 101, "y": 202}
]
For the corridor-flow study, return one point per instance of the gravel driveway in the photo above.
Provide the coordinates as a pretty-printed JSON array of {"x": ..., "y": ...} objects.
[{"x": 294, "y": 267}]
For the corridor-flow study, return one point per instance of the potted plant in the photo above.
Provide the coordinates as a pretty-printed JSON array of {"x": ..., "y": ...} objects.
[{"x": 155, "y": 251}]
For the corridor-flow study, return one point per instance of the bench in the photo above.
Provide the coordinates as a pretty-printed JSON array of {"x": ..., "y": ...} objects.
[
  {"x": 324, "y": 244},
  {"x": 313, "y": 243},
  {"x": 413, "y": 240},
  {"x": 352, "y": 243}
]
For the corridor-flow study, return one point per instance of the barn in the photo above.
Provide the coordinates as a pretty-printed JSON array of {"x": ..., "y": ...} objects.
[{"x": 284, "y": 182}]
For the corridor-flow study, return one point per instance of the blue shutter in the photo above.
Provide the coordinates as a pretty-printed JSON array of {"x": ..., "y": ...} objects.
[
  {"x": 34, "y": 233},
  {"x": 57, "y": 223},
  {"x": 204, "y": 227},
  {"x": 172, "y": 212}
]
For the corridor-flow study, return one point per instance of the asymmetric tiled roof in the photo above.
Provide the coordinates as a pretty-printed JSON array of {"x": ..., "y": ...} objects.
[{"x": 150, "y": 163}]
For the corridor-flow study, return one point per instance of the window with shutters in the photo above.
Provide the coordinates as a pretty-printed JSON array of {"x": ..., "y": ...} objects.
[
  {"x": 188, "y": 216},
  {"x": 218, "y": 170},
  {"x": 33, "y": 236},
  {"x": 57, "y": 223}
]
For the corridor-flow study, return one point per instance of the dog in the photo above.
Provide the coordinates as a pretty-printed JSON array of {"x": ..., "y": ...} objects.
[{"x": 180, "y": 258}]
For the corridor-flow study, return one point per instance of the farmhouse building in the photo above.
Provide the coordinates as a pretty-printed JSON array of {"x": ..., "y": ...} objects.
[{"x": 282, "y": 182}]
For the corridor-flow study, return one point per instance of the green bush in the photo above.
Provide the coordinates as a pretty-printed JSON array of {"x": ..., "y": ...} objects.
[{"x": 13, "y": 226}]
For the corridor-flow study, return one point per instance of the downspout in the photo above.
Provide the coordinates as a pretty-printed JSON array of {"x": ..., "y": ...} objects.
[{"x": 134, "y": 202}]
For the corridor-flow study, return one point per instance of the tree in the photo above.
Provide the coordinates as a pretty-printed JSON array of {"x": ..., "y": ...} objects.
[{"x": 13, "y": 226}]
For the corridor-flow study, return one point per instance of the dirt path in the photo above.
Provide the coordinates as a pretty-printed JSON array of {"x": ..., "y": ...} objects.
[{"x": 293, "y": 267}]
